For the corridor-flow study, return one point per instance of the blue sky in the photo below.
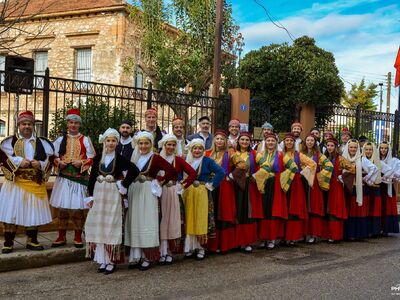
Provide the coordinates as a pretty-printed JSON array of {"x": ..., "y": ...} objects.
[{"x": 363, "y": 35}]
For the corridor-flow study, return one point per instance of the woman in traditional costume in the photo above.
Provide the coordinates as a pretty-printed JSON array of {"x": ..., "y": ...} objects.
[
  {"x": 373, "y": 189},
  {"x": 103, "y": 227},
  {"x": 224, "y": 196},
  {"x": 248, "y": 198},
  {"x": 335, "y": 201},
  {"x": 315, "y": 197},
  {"x": 199, "y": 211},
  {"x": 171, "y": 222},
  {"x": 390, "y": 173},
  {"x": 273, "y": 180},
  {"x": 357, "y": 202},
  {"x": 142, "y": 219},
  {"x": 296, "y": 225}
]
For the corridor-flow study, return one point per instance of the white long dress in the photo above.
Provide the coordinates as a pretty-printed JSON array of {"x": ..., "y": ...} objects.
[{"x": 141, "y": 224}]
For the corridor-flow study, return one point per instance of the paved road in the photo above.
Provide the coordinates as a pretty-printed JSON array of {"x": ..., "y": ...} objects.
[{"x": 353, "y": 270}]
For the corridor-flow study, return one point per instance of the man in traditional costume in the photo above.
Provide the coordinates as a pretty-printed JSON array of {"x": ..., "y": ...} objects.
[
  {"x": 296, "y": 130},
  {"x": 74, "y": 156},
  {"x": 234, "y": 129},
  {"x": 150, "y": 117},
  {"x": 178, "y": 127},
  {"x": 23, "y": 196},
  {"x": 204, "y": 134},
  {"x": 344, "y": 137},
  {"x": 124, "y": 146},
  {"x": 267, "y": 129}
]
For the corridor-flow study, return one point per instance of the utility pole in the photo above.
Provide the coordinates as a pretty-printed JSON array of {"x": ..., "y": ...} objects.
[
  {"x": 388, "y": 92},
  {"x": 217, "y": 48},
  {"x": 381, "y": 101}
]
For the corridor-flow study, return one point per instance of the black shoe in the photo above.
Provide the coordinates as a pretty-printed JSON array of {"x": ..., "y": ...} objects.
[
  {"x": 144, "y": 268},
  {"x": 101, "y": 270},
  {"x": 108, "y": 272},
  {"x": 189, "y": 256},
  {"x": 132, "y": 266},
  {"x": 7, "y": 250},
  {"x": 78, "y": 245},
  {"x": 34, "y": 246},
  {"x": 248, "y": 250},
  {"x": 166, "y": 262}
]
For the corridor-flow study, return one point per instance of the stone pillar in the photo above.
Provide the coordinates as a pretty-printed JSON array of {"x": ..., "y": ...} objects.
[
  {"x": 240, "y": 105},
  {"x": 307, "y": 119}
]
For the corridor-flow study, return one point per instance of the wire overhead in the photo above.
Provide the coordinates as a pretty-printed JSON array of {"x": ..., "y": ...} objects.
[{"x": 275, "y": 22}]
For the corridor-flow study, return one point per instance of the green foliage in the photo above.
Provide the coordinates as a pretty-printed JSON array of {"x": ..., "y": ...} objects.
[
  {"x": 285, "y": 76},
  {"x": 97, "y": 115},
  {"x": 361, "y": 95},
  {"x": 180, "y": 56}
]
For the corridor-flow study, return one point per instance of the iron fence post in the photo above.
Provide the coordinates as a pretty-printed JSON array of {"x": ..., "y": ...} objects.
[
  {"x": 149, "y": 95},
  {"x": 357, "y": 125},
  {"x": 396, "y": 133},
  {"x": 46, "y": 100}
]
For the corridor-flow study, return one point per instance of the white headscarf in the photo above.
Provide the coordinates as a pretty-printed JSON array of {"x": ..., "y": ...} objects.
[
  {"x": 375, "y": 159},
  {"x": 166, "y": 138},
  {"x": 357, "y": 160},
  {"x": 110, "y": 132},
  {"x": 192, "y": 143},
  {"x": 389, "y": 161},
  {"x": 140, "y": 136}
]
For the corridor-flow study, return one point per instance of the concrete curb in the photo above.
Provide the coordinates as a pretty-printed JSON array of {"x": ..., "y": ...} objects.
[{"x": 19, "y": 260}]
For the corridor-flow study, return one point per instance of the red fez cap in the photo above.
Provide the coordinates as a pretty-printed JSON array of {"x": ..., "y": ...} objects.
[
  {"x": 26, "y": 116},
  {"x": 221, "y": 132},
  {"x": 296, "y": 124},
  {"x": 271, "y": 135},
  {"x": 150, "y": 111},
  {"x": 345, "y": 130},
  {"x": 177, "y": 119},
  {"x": 245, "y": 133},
  {"x": 74, "y": 111},
  {"x": 290, "y": 135},
  {"x": 332, "y": 140},
  {"x": 234, "y": 122}
]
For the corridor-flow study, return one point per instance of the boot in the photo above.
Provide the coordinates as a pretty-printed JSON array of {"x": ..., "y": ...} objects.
[
  {"x": 8, "y": 242},
  {"x": 31, "y": 241},
  {"x": 78, "y": 239},
  {"x": 61, "y": 240}
]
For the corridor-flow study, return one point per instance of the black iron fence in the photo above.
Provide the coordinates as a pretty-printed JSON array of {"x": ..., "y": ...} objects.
[
  {"x": 50, "y": 97},
  {"x": 374, "y": 125}
]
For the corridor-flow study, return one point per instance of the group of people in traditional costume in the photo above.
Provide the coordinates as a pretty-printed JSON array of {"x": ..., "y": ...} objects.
[{"x": 151, "y": 195}]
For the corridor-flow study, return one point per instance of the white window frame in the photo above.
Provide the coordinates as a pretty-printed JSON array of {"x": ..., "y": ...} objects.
[{"x": 83, "y": 64}]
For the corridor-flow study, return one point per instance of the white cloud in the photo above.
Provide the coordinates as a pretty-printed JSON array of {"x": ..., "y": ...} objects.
[
  {"x": 336, "y": 5},
  {"x": 364, "y": 45}
]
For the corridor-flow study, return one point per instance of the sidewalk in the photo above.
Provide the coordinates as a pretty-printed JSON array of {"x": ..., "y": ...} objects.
[{"x": 22, "y": 258}]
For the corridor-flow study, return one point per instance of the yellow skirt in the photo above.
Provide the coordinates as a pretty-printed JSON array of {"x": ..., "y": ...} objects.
[{"x": 195, "y": 200}]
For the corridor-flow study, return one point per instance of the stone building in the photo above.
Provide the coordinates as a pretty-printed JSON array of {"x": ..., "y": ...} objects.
[{"x": 87, "y": 40}]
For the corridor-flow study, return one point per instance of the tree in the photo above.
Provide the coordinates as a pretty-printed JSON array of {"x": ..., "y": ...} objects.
[
  {"x": 284, "y": 76},
  {"x": 176, "y": 57},
  {"x": 361, "y": 95},
  {"x": 14, "y": 17}
]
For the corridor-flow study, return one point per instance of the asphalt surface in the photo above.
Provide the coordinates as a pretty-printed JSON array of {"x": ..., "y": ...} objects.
[{"x": 368, "y": 269}]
